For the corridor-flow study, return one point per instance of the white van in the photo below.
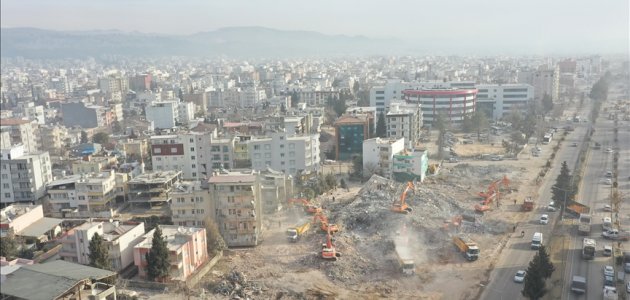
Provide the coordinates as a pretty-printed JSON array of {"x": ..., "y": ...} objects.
[{"x": 537, "y": 240}]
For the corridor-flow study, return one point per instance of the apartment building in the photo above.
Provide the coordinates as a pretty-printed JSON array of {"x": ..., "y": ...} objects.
[
  {"x": 85, "y": 192},
  {"x": 93, "y": 164},
  {"x": 410, "y": 165},
  {"x": 187, "y": 247},
  {"x": 289, "y": 153},
  {"x": 182, "y": 152},
  {"x": 31, "y": 111},
  {"x": 163, "y": 114},
  {"x": 350, "y": 132},
  {"x": 85, "y": 116},
  {"x": 545, "y": 80},
  {"x": 53, "y": 138},
  {"x": 21, "y": 132},
  {"x": 404, "y": 121},
  {"x": 23, "y": 177},
  {"x": 192, "y": 204},
  {"x": 275, "y": 189},
  {"x": 238, "y": 207},
  {"x": 498, "y": 101},
  {"x": 378, "y": 154},
  {"x": 317, "y": 98},
  {"x": 120, "y": 240},
  {"x": 153, "y": 188}
]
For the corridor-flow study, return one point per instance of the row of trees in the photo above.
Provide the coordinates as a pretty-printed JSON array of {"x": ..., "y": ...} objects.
[
  {"x": 99, "y": 138},
  {"x": 539, "y": 270}
]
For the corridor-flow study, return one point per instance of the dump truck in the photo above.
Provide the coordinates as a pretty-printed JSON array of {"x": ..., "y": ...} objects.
[
  {"x": 584, "y": 227},
  {"x": 588, "y": 248},
  {"x": 404, "y": 256},
  {"x": 528, "y": 204},
  {"x": 295, "y": 233},
  {"x": 467, "y": 247},
  {"x": 576, "y": 208}
]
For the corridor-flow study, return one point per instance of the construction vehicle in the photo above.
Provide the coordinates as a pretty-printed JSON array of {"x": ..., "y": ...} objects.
[
  {"x": 295, "y": 233},
  {"x": 493, "y": 190},
  {"x": 528, "y": 204},
  {"x": 584, "y": 227},
  {"x": 308, "y": 207},
  {"x": 399, "y": 205},
  {"x": 575, "y": 209},
  {"x": 588, "y": 248},
  {"x": 482, "y": 208},
  {"x": 405, "y": 258},
  {"x": 328, "y": 249},
  {"x": 467, "y": 247},
  {"x": 324, "y": 224}
]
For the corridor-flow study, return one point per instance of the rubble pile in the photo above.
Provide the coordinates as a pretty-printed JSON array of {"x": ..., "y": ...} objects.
[{"x": 235, "y": 285}]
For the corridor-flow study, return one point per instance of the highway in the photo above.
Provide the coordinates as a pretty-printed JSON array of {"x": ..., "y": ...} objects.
[{"x": 517, "y": 253}]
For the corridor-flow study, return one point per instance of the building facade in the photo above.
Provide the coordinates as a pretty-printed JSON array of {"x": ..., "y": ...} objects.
[
  {"x": 350, "y": 132},
  {"x": 453, "y": 104},
  {"x": 286, "y": 153},
  {"x": 404, "y": 121},
  {"x": 152, "y": 188},
  {"x": 23, "y": 177},
  {"x": 498, "y": 101},
  {"x": 21, "y": 132},
  {"x": 378, "y": 154},
  {"x": 410, "y": 165},
  {"x": 163, "y": 114}
]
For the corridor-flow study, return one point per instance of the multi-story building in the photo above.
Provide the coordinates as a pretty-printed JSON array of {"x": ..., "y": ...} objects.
[
  {"x": 179, "y": 152},
  {"x": 284, "y": 152},
  {"x": 238, "y": 207},
  {"x": 23, "y": 176},
  {"x": 221, "y": 154},
  {"x": 152, "y": 188},
  {"x": 382, "y": 96},
  {"x": 136, "y": 148},
  {"x": 275, "y": 189},
  {"x": 453, "y": 104},
  {"x": 120, "y": 240},
  {"x": 317, "y": 98},
  {"x": 498, "y": 101},
  {"x": 192, "y": 204},
  {"x": 53, "y": 138},
  {"x": 140, "y": 83},
  {"x": 93, "y": 164},
  {"x": 85, "y": 116},
  {"x": 31, "y": 111},
  {"x": 404, "y": 121},
  {"x": 378, "y": 154},
  {"x": 199, "y": 99},
  {"x": 21, "y": 132},
  {"x": 163, "y": 114},
  {"x": 187, "y": 247},
  {"x": 350, "y": 132},
  {"x": 85, "y": 192},
  {"x": 410, "y": 165},
  {"x": 546, "y": 81},
  {"x": 250, "y": 97}
]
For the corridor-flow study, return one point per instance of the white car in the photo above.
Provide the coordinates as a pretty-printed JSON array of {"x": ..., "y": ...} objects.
[
  {"x": 608, "y": 181},
  {"x": 609, "y": 150},
  {"x": 608, "y": 208},
  {"x": 609, "y": 271},
  {"x": 520, "y": 276},
  {"x": 551, "y": 206},
  {"x": 544, "y": 219}
]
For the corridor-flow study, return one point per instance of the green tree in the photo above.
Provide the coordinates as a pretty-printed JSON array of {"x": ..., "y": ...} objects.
[
  {"x": 343, "y": 184},
  {"x": 84, "y": 137},
  {"x": 216, "y": 243},
  {"x": 467, "y": 126},
  {"x": 283, "y": 108},
  {"x": 8, "y": 247},
  {"x": 544, "y": 262},
  {"x": 479, "y": 122},
  {"x": 547, "y": 104},
  {"x": 534, "y": 285},
  {"x": 26, "y": 253},
  {"x": 295, "y": 98},
  {"x": 340, "y": 107},
  {"x": 331, "y": 181},
  {"x": 440, "y": 125},
  {"x": 101, "y": 138},
  {"x": 357, "y": 166},
  {"x": 563, "y": 189},
  {"x": 158, "y": 265},
  {"x": 336, "y": 83},
  {"x": 355, "y": 87},
  {"x": 99, "y": 254},
  {"x": 116, "y": 127},
  {"x": 381, "y": 128}
]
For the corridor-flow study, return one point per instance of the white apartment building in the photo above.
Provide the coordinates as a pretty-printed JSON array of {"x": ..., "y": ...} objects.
[
  {"x": 287, "y": 153},
  {"x": 251, "y": 97},
  {"x": 21, "y": 132},
  {"x": 53, "y": 138},
  {"x": 178, "y": 152},
  {"x": 378, "y": 154},
  {"x": 186, "y": 112},
  {"x": 120, "y": 240},
  {"x": 544, "y": 81},
  {"x": 191, "y": 205},
  {"x": 164, "y": 114},
  {"x": 91, "y": 192},
  {"x": 382, "y": 96},
  {"x": 500, "y": 100},
  {"x": 23, "y": 177},
  {"x": 33, "y": 112},
  {"x": 404, "y": 121}
]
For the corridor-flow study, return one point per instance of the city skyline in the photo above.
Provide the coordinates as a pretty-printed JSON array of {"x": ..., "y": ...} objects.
[{"x": 495, "y": 26}]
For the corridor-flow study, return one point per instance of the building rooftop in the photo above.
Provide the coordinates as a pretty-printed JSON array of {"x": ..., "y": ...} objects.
[
  {"x": 232, "y": 177},
  {"x": 49, "y": 280},
  {"x": 175, "y": 236},
  {"x": 9, "y": 213},
  {"x": 111, "y": 230},
  {"x": 39, "y": 227},
  {"x": 155, "y": 177},
  {"x": 13, "y": 121},
  {"x": 186, "y": 187}
]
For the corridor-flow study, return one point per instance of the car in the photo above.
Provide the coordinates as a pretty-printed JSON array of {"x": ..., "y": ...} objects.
[
  {"x": 609, "y": 150},
  {"x": 628, "y": 287},
  {"x": 574, "y": 145},
  {"x": 520, "y": 276},
  {"x": 608, "y": 181},
  {"x": 609, "y": 281},
  {"x": 608, "y": 250},
  {"x": 626, "y": 267},
  {"x": 544, "y": 219},
  {"x": 453, "y": 160},
  {"x": 609, "y": 271},
  {"x": 609, "y": 174},
  {"x": 607, "y": 208},
  {"x": 551, "y": 206}
]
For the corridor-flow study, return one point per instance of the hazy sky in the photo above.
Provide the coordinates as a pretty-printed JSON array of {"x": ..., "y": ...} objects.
[{"x": 536, "y": 24}]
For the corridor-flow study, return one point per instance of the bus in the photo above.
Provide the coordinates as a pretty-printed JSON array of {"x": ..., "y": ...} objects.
[{"x": 547, "y": 139}]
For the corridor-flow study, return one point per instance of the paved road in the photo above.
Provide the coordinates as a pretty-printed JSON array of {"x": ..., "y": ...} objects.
[
  {"x": 517, "y": 253},
  {"x": 596, "y": 195}
]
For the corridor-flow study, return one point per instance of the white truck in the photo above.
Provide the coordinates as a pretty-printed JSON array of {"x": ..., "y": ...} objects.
[
  {"x": 584, "y": 227},
  {"x": 588, "y": 248}
]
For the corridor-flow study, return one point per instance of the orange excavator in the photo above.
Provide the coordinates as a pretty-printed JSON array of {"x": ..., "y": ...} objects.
[
  {"x": 308, "y": 207},
  {"x": 493, "y": 190},
  {"x": 324, "y": 225},
  {"x": 399, "y": 205},
  {"x": 328, "y": 249}
]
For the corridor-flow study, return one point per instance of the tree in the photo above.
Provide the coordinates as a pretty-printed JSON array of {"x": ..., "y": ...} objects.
[
  {"x": 26, "y": 253},
  {"x": 216, "y": 243},
  {"x": 357, "y": 166},
  {"x": 99, "y": 254},
  {"x": 116, "y": 127},
  {"x": 440, "y": 125},
  {"x": 355, "y": 87},
  {"x": 101, "y": 138},
  {"x": 563, "y": 189},
  {"x": 342, "y": 184},
  {"x": 158, "y": 264},
  {"x": 295, "y": 99},
  {"x": 479, "y": 122},
  {"x": 336, "y": 82},
  {"x": 340, "y": 107},
  {"x": 283, "y": 108},
  {"x": 534, "y": 283},
  {"x": 546, "y": 266},
  {"x": 84, "y": 137},
  {"x": 8, "y": 247},
  {"x": 381, "y": 128},
  {"x": 547, "y": 104},
  {"x": 331, "y": 181}
]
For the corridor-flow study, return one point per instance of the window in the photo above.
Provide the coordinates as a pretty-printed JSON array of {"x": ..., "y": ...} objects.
[
  {"x": 192, "y": 211},
  {"x": 256, "y": 155},
  {"x": 256, "y": 147},
  {"x": 192, "y": 140},
  {"x": 226, "y": 157},
  {"x": 291, "y": 153},
  {"x": 158, "y": 158},
  {"x": 8, "y": 195},
  {"x": 5, "y": 176},
  {"x": 193, "y": 166},
  {"x": 192, "y": 157},
  {"x": 291, "y": 146},
  {"x": 268, "y": 155},
  {"x": 5, "y": 185},
  {"x": 192, "y": 149},
  {"x": 225, "y": 148},
  {"x": 380, "y": 92},
  {"x": 173, "y": 149},
  {"x": 194, "y": 174},
  {"x": 157, "y": 150},
  {"x": 281, "y": 154}
]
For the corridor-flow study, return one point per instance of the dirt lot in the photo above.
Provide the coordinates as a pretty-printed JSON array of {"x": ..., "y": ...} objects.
[{"x": 368, "y": 268}]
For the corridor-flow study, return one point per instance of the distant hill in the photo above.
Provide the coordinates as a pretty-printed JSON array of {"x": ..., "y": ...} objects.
[{"x": 243, "y": 42}]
